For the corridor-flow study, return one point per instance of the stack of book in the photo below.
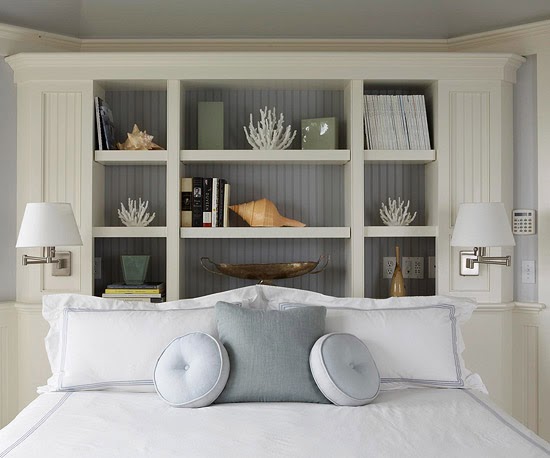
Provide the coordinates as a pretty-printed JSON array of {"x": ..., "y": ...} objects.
[
  {"x": 146, "y": 292},
  {"x": 105, "y": 128},
  {"x": 396, "y": 122},
  {"x": 204, "y": 202}
]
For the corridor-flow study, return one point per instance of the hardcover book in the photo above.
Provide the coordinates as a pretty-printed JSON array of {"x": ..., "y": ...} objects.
[
  {"x": 186, "y": 202},
  {"x": 197, "y": 202},
  {"x": 106, "y": 129},
  {"x": 207, "y": 202}
]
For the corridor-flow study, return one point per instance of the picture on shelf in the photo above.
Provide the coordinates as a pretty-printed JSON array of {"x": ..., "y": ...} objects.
[{"x": 105, "y": 127}]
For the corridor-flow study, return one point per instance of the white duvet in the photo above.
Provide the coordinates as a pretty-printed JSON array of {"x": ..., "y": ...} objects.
[{"x": 404, "y": 423}]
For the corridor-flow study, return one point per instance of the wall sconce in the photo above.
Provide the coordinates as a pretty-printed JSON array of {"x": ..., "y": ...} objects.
[
  {"x": 481, "y": 225},
  {"x": 48, "y": 225}
]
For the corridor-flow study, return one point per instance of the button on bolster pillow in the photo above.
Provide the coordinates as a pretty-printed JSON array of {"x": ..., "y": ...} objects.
[
  {"x": 344, "y": 370},
  {"x": 192, "y": 370}
]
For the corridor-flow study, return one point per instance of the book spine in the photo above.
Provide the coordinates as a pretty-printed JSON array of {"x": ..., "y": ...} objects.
[
  {"x": 227, "y": 192},
  {"x": 98, "y": 124},
  {"x": 207, "y": 203},
  {"x": 221, "y": 202},
  {"x": 186, "y": 202},
  {"x": 215, "y": 201},
  {"x": 197, "y": 202},
  {"x": 133, "y": 292}
]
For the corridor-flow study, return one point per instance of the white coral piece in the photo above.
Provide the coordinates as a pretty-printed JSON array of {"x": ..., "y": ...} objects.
[
  {"x": 135, "y": 216},
  {"x": 269, "y": 134},
  {"x": 395, "y": 214}
]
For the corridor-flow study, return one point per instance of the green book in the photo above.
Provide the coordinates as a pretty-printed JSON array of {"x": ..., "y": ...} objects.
[{"x": 210, "y": 125}]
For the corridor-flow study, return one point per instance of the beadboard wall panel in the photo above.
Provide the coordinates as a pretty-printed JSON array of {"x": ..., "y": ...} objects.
[
  {"x": 199, "y": 282},
  {"x": 8, "y": 363},
  {"x": 376, "y": 248},
  {"x": 145, "y": 108},
  {"x": 238, "y": 104},
  {"x": 135, "y": 181},
  {"x": 312, "y": 194},
  {"x": 62, "y": 176},
  {"x": 111, "y": 249},
  {"x": 383, "y": 181}
]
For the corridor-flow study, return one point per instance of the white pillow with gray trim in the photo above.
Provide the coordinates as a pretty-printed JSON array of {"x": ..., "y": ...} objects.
[{"x": 96, "y": 343}]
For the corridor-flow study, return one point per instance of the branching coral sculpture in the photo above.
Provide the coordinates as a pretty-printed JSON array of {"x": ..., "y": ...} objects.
[
  {"x": 135, "y": 216},
  {"x": 269, "y": 134},
  {"x": 395, "y": 214}
]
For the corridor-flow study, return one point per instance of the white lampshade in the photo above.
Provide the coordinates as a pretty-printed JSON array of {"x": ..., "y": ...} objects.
[
  {"x": 48, "y": 224},
  {"x": 483, "y": 224}
]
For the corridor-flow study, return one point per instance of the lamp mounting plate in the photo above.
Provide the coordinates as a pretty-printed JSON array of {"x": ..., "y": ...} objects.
[
  {"x": 464, "y": 270},
  {"x": 63, "y": 267}
]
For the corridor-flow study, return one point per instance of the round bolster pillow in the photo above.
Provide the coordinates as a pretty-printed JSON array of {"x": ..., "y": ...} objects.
[
  {"x": 192, "y": 370},
  {"x": 344, "y": 370}
]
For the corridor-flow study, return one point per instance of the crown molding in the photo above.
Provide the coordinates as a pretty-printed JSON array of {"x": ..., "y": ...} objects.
[{"x": 14, "y": 39}]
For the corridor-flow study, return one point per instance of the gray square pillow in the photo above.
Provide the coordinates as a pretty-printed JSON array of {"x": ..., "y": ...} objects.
[{"x": 269, "y": 353}]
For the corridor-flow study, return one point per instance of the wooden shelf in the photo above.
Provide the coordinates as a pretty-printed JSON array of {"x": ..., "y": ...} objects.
[
  {"x": 376, "y": 156},
  {"x": 265, "y": 232},
  {"x": 400, "y": 231},
  {"x": 328, "y": 157},
  {"x": 129, "y": 232},
  {"x": 142, "y": 157}
]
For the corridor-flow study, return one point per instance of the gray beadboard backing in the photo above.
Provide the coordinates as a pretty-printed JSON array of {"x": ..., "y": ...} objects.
[
  {"x": 147, "y": 109},
  {"x": 312, "y": 194},
  {"x": 135, "y": 181},
  {"x": 110, "y": 250},
  {"x": 378, "y": 248},
  {"x": 240, "y": 103},
  {"x": 198, "y": 282},
  {"x": 383, "y": 181}
]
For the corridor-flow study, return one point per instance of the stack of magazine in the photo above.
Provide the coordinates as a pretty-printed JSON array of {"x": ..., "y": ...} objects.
[
  {"x": 146, "y": 292},
  {"x": 396, "y": 122}
]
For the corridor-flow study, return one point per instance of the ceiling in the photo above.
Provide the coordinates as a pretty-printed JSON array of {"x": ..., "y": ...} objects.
[{"x": 270, "y": 19}]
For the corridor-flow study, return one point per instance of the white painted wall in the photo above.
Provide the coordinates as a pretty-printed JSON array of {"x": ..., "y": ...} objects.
[
  {"x": 8, "y": 173},
  {"x": 525, "y": 170}
]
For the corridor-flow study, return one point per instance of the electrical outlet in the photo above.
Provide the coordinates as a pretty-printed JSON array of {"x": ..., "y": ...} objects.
[
  {"x": 413, "y": 267},
  {"x": 528, "y": 272},
  {"x": 431, "y": 267},
  {"x": 388, "y": 266},
  {"x": 97, "y": 268}
]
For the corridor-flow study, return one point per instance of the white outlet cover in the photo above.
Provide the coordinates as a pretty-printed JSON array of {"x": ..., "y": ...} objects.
[{"x": 388, "y": 266}]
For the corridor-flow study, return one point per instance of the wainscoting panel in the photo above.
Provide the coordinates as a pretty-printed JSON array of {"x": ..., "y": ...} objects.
[{"x": 8, "y": 363}]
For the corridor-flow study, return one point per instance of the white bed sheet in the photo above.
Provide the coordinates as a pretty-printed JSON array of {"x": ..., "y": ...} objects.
[{"x": 404, "y": 423}]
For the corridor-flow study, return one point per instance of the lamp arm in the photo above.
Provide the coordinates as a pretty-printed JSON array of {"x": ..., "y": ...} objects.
[{"x": 482, "y": 259}]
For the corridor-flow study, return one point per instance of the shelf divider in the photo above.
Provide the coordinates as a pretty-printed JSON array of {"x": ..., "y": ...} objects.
[
  {"x": 376, "y": 156},
  {"x": 400, "y": 231},
  {"x": 329, "y": 157},
  {"x": 265, "y": 232}
]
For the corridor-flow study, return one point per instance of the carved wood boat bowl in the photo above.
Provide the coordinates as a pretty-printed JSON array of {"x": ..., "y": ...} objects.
[{"x": 266, "y": 272}]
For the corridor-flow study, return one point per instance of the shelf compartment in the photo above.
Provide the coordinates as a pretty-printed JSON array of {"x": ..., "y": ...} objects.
[
  {"x": 400, "y": 231},
  {"x": 328, "y": 157},
  {"x": 377, "y": 156},
  {"x": 265, "y": 233},
  {"x": 129, "y": 232},
  {"x": 123, "y": 157}
]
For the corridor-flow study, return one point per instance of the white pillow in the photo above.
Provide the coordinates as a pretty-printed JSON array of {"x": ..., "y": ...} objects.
[
  {"x": 412, "y": 346},
  {"x": 192, "y": 371},
  {"x": 97, "y": 343}
]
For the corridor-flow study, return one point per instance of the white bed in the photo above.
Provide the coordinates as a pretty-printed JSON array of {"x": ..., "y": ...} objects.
[{"x": 403, "y": 423}]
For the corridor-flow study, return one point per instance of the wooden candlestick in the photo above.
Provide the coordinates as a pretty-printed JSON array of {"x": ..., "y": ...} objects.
[{"x": 397, "y": 286}]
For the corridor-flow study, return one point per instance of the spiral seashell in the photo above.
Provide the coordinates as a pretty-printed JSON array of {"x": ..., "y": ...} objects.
[{"x": 263, "y": 213}]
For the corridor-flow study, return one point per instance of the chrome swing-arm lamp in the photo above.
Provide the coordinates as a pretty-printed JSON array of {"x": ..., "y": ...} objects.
[
  {"x": 481, "y": 225},
  {"x": 47, "y": 225}
]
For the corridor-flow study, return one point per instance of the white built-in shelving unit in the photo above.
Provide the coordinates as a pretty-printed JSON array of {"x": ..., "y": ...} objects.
[{"x": 469, "y": 105}]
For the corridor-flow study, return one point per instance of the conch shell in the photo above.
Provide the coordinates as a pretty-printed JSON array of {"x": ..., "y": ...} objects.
[
  {"x": 263, "y": 213},
  {"x": 138, "y": 140}
]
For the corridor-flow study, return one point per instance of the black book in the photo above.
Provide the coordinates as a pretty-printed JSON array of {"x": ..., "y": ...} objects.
[
  {"x": 98, "y": 128},
  {"x": 207, "y": 202},
  {"x": 197, "y": 202},
  {"x": 221, "y": 196},
  {"x": 106, "y": 128}
]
